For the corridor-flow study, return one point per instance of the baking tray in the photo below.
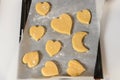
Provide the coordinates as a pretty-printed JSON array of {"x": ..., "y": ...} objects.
[{"x": 98, "y": 74}]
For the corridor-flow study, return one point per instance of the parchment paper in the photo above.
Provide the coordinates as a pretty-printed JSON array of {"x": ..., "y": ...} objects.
[{"x": 67, "y": 52}]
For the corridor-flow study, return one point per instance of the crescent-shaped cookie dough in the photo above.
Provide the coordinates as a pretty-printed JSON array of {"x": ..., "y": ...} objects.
[{"x": 77, "y": 42}]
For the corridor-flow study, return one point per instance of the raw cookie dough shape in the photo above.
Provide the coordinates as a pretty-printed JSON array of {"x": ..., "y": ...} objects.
[
  {"x": 84, "y": 16},
  {"x": 78, "y": 43},
  {"x": 31, "y": 59},
  {"x": 53, "y": 47},
  {"x": 50, "y": 69},
  {"x": 43, "y": 8},
  {"x": 37, "y": 32},
  {"x": 63, "y": 24},
  {"x": 75, "y": 68}
]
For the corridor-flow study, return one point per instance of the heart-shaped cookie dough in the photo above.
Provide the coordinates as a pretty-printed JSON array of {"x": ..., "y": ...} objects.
[
  {"x": 37, "y": 32},
  {"x": 53, "y": 47},
  {"x": 75, "y": 68},
  {"x": 84, "y": 16},
  {"x": 63, "y": 24},
  {"x": 43, "y": 8},
  {"x": 50, "y": 69},
  {"x": 78, "y": 43},
  {"x": 31, "y": 59}
]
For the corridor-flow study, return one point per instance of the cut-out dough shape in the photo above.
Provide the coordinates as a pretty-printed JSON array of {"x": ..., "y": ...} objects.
[
  {"x": 50, "y": 69},
  {"x": 75, "y": 68},
  {"x": 43, "y": 8},
  {"x": 31, "y": 59},
  {"x": 53, "y": 47},
  {"x": 78, "y": 43},
  {"x": 84, "y": 16},
  {"x": 63, "y": 24},
  {"x": 37, "y": 32}
]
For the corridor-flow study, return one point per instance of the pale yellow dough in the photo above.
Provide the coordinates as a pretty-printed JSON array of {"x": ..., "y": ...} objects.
[
  {"x": 84, "y": 16},
  {"x": 37, "y": 32},
  {"x": 43, "y": 8},
  {"x": 50, "y": 69},
  {"x": 75, "y": 68},
  {"x": 31, "y": 59},
  {"x": 63, "y": 24},
  {"x": 53, "y": 47},
  {"x": 78, "y": 43}
]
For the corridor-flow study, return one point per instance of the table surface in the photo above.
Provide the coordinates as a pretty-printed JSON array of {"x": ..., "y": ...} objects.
[{"x": 10, "y": 14}]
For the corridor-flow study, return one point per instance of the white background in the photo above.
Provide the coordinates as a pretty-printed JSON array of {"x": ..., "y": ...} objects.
[{"x": 10, "y": 14}]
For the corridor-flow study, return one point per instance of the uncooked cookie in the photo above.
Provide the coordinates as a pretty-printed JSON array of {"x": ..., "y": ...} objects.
[
  {"x": 37, "y": 32},
  {"x": 78, "y": 43},
  {"x": 31, "y": 59},
  {"x": 50, "y": 69},
  {"x": 53, "y": 47},
  {"x": 75, "y": 68},
  {"x": 63, "y": 24},
  {"x": 84, "y": 16},
  {"x": 43, "y": 8}
]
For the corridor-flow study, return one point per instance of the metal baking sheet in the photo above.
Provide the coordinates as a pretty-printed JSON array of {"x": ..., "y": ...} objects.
[{"x": 67, "y": 53}]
